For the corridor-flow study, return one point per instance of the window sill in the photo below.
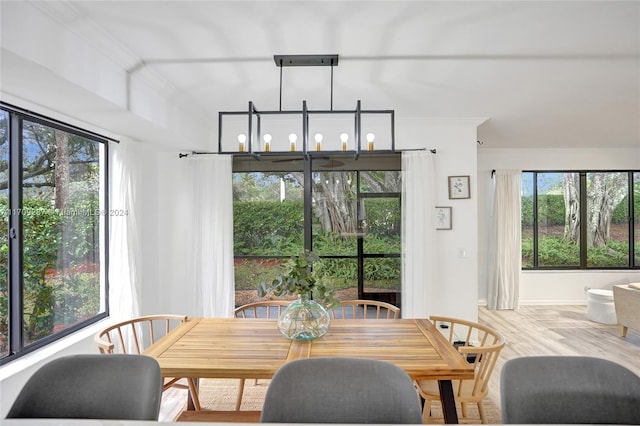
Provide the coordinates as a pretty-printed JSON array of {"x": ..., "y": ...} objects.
[{"x": 47, "y": 352}]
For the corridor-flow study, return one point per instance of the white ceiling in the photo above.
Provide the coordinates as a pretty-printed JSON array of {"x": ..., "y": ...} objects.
[{"x": 545, "y": 73}]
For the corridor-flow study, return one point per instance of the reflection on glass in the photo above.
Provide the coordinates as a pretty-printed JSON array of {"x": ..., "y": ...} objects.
[
  {"x": 382, "y": 275},
  {"x": 636, "y": 217},
  {"x": 381, "y": 181},
  {"x": 607, "y": 223},
  {"x": 61, "y": 226},
  {"x": 335, "y": 213},
  {"x": 527, "y": 219},
  {"x": 268, "y": 214},
  {"x": 558, "y": 219},
  {"x": 4, "y": 233},
  {"x": 342, "y": 276},
  {"x": 381, "y": 225}
]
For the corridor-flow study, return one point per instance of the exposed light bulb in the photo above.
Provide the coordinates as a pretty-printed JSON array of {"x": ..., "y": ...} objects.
[
  {"x": 267, "y": 142},
  {"x": 242, "y": 139},
  {"x": 370, "y": 138},
  {"x": 318, "y": 138},
  {"x": 344, "y": 138},
  {"x": 292, "y": 141}
]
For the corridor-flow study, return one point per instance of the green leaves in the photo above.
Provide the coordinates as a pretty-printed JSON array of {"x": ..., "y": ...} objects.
[{"x": 298, "y": 276}]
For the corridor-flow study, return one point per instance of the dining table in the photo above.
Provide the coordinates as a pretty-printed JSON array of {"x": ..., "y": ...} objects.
[{"x": 255, "y": 349}]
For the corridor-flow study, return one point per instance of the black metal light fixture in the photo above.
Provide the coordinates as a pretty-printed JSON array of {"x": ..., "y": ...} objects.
[{"x": 256, "y": 132}]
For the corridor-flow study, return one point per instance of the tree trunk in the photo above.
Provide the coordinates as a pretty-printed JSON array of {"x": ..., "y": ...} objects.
[
  {"x": 61, "y": 169},
  {"x": 335, "y": 205},
  {"x": 570, "y": 189},
  {"x": 604, "y": 193}
]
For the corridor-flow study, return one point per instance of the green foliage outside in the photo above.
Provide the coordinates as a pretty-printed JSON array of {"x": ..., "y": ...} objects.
[
  {"x": 554, "y": 252},
  {"x": 273, "y": 228},
  {"x": 61, "y": 285}
]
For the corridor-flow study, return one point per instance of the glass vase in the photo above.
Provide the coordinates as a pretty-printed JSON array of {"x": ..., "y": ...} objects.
[{"x": 304, "y": 319}]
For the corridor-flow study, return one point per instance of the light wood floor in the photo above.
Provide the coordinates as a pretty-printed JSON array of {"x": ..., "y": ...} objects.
[
  {"x": 530, "y": 330},
  {"x": 558, "y": 330}
]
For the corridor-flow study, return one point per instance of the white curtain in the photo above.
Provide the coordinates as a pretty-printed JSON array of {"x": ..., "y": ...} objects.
[
  {"x": 124, "y": 242},
  {"x": 418, "y": 245},
  {"x": 504, "y": 250},
  {"x": 211, "y": 256}
]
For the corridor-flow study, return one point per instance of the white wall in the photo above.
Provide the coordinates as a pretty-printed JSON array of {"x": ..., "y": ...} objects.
[
  {"x": 166, "y": 285},
  {"x": 549, "y": 287}
]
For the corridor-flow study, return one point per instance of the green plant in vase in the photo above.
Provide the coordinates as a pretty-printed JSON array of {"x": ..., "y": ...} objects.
[{"x": 305, "y": 318}]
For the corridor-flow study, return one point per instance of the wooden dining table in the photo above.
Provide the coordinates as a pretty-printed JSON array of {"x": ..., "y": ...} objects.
[{"x": 255, "y": 349}]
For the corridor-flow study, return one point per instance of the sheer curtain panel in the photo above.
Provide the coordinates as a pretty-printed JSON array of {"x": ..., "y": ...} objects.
[
  {"x": 418, "y": 233},
  {"x": 124, "y": 234},
  {"x": 504, "y": 249},
  {"x": 211, "y": 254}
]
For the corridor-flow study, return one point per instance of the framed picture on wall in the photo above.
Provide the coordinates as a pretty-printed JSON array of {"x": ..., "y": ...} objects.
[
  {"x": 459, "y": 187},
  {"x": 443, "y": 217}
]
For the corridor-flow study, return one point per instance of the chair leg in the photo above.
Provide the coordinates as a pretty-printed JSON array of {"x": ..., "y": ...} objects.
[
  {"x": 193, "y": 391},
  {"x": 463, "y": 409},
  {"x": 240, "y": 392},
  {"x": 623, "y": 330},
  {"x": 483, "y": 419},
  {"x": 426, "y": 411}
]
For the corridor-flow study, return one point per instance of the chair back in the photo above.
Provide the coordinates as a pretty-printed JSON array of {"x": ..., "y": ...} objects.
[
  {"x": 365, "y": 309},
  {"x": 481, "y": 345},
  {"x": 568, "y": 390},
  {"x": 263, "y": 309},
  {"x": 135, "y": 335},
  {"x": 341, "y": 390},
  {"x": 118, "y": 387}
]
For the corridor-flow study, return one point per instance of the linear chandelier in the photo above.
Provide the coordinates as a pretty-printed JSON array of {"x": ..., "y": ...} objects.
[{"x": 307, "y": 132}]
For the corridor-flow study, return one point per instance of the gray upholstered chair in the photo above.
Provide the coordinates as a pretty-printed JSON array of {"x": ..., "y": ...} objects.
[
  {"x": 143, "y": 332},
  {"x": 568, "y": 390},
  {"x": 341, "y": 390},
  {"x": 119, "y": 387}
]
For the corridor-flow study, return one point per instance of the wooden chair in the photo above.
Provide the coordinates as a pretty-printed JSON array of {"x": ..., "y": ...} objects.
[
  {"x": 135, "y": 335},
  {"x": 481, "y": 346},
  {"x": 264, "y": 309},
  {"x": 365, "y": 309}
]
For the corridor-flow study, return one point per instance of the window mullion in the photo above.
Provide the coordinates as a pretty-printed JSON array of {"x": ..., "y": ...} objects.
[
  {"x": 308, "y": 208},
  {"x": 535, "y": 220},
  {"x": 583, "y": 220},
  {"x": 630, "y": 220},
  {"x": 15, "y": 261}
]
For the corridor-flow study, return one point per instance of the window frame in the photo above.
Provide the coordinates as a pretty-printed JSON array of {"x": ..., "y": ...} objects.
[
  {"x": 384, "y": 161},
  {"x": 15, "y": 258},
  {"x": 583, "y": 248}
]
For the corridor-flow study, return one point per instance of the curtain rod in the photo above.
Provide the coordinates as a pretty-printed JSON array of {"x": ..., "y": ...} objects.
[{"x": 257, "y": 155}]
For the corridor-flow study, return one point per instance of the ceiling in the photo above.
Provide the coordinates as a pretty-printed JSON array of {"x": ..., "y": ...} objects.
[{"x": 544, "y": 73}]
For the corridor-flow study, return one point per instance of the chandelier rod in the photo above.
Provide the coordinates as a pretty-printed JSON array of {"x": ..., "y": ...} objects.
[
  {"x": 331, "y": 103},
  {"x": 280, "y": 84}
]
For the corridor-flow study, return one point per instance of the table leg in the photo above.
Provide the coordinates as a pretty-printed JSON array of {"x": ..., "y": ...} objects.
[{"x": 448, "y": 402}]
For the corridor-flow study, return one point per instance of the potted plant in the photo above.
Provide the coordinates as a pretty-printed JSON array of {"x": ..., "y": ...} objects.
[{"x": 306, "y": 318}]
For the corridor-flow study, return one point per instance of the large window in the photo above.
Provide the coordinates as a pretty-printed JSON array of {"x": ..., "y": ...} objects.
[
  {"x": 52, "y": 230},
  {"x": 580, "y": 220},
  {"x": 345, "y": 210}
]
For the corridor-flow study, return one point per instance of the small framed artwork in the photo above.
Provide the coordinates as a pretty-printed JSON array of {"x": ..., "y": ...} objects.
[
  {"x": 443, "y": 217},
  {"x": 459, "y": 187}
]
